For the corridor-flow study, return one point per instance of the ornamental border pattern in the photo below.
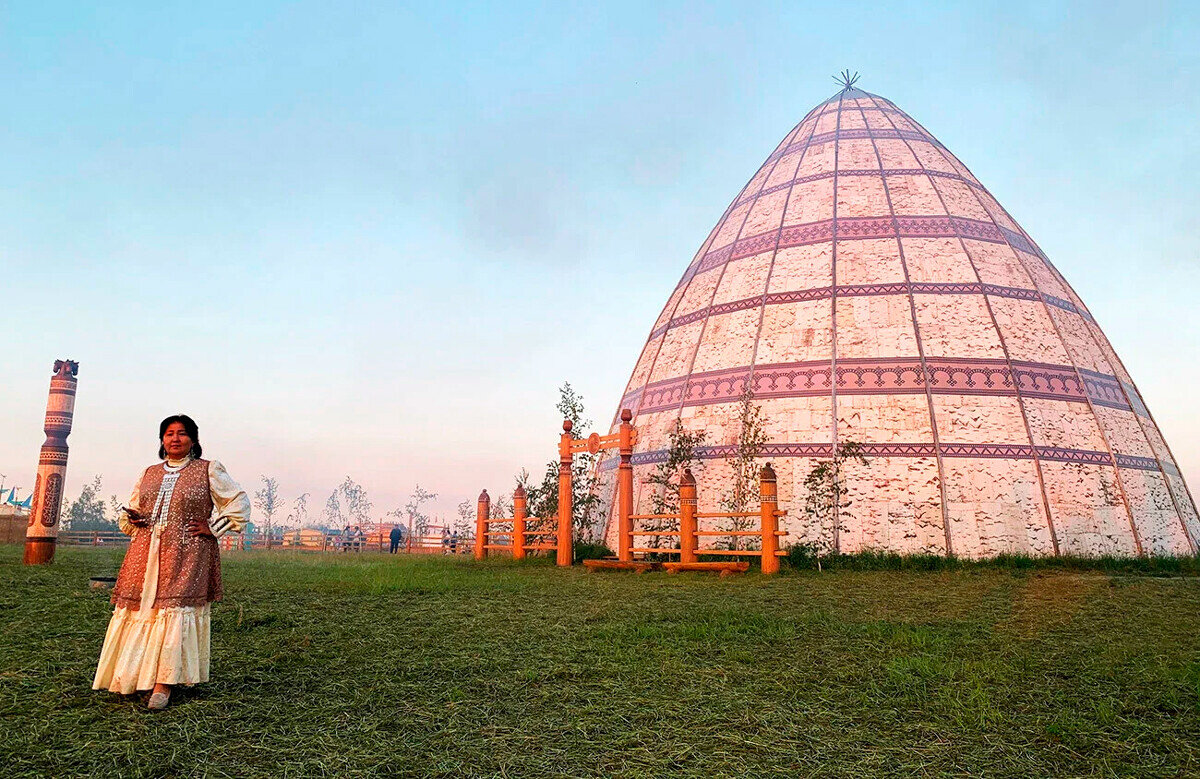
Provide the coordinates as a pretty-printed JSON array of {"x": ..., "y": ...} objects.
[
  {"x": 973, "y": 451},
  {"x": 860, "y": 290},
  {"x": 888, "y": 376},
  {"x": 861, "y": 228}
]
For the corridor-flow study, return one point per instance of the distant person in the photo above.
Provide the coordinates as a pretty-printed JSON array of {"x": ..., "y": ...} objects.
[
  {"x": 454, "y": 542},
  {"x": 445, "y": 541},
  {"x": 394, "y": 539},
  {"x": 158, "y": 636},
  {"x": 347, "y": 538},
  {"x": 358, "y": 538}
]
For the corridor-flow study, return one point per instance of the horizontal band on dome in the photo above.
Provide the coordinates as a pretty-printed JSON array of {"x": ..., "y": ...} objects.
[
  {"x": 975, "y": 451},
  {"x": 855, "y": 133},
  {"x": 890, "y": 376},
  {"x": 860, "y": 229},
  {"x": 860, "y": 290},
  {"x": 829, "y": 174}
]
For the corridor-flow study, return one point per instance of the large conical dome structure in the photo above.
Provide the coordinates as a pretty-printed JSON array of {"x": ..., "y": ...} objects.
[{"x": 866, "y": 287}]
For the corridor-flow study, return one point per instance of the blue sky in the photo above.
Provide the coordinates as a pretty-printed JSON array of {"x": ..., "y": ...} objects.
[{"x": 371, "y": 240}]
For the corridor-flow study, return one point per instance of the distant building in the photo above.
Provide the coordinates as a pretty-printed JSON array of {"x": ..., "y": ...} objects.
[{"x": 13, "y": 522}]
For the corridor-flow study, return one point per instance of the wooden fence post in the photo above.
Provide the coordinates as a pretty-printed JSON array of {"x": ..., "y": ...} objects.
[
  {"x": 482, "y": 510},
  {"x": 625, "y": 489},
  {"x": 518, "y": 534},
  {"x": 769, "y": 502},
  {"x": 566, "y": 494},
  {"x": 687, "y": 517}
]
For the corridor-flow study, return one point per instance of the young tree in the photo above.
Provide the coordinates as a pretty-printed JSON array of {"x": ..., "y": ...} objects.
[
  {"x": 358, "y": 506},
  {"x": 681, "y": 454},
  {"x": 464, "y": 525},
  {"x": 298, "y": 517},
  {"x": 752, "y": 437},
  {"x": 268, "y": 503},
  {"x": 114, "y": 506},
  {"x": 543, "y": 497},
  {"x": 332, "y": 513},
  {"x": 418, "y": 521},
  {"x": 87, "y": 512},
  {"x": 825, "y": 500}
]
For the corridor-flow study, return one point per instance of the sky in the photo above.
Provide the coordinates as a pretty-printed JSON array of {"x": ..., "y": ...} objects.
[{"x": 372, "y": 240}]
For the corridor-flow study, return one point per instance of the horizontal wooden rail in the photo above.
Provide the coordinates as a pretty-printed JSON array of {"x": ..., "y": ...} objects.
[
  {"x": 656, "y": 550},
  {"x": 92, "y": 537},
  {"x": 654, "y": 532},
  {"x": 742, "y": 552},
  {"x": 733, "y": 514},
  {"x": 655, "y": 516},
  {"x": 754, "y": 533}
]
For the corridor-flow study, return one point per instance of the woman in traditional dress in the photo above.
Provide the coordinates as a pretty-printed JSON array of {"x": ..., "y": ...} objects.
[{"x": 159, "y": 633}]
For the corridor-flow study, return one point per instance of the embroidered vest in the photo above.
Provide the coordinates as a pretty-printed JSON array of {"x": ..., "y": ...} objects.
[{"x": 189, "y": 567}]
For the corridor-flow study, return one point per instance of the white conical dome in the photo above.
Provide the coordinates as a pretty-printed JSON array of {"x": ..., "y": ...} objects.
[{"x": 868, "y": 288}]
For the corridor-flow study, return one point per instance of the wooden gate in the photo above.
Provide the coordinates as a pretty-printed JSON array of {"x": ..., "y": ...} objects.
[{"x": 487, "y": 539}]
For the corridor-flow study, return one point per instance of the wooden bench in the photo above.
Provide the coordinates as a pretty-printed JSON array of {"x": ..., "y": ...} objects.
[
  {"x": 637, "y": 566},
  {"x": 722, "y": 568}
]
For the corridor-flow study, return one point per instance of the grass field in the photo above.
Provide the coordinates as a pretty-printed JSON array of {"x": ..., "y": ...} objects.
[{"x": 370, "y": 665}]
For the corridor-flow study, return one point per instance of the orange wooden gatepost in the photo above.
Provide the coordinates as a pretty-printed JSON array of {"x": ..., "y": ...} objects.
[{"x": 568, "y": 446}]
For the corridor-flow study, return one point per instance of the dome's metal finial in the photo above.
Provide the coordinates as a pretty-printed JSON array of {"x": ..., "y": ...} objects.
[{"x": 845, "y": 79}]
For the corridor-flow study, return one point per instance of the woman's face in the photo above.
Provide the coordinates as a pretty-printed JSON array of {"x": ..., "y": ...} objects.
[{"x": 176, "y": 441}]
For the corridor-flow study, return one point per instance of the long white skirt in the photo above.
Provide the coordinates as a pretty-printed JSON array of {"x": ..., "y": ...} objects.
[{"x": 151, "y": 646}]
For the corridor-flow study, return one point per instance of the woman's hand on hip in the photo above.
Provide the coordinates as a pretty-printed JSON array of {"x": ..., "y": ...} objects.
[{"x": 199, "y": 529}]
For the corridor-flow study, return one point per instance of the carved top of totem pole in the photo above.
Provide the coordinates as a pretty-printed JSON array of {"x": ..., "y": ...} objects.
[
  {"x": 63, "y": 367},
  {"x": 626, "y": 415}
]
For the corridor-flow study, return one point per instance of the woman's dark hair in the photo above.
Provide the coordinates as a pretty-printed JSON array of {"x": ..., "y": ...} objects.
[{"x": 189, "y": 427}]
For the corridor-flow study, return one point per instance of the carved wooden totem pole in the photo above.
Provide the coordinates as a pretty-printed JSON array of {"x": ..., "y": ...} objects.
[{"x": 42, "y": 534}]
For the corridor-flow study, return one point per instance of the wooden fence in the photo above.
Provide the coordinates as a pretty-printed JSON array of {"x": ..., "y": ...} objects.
[
  {"x": 490, "y": 532},
  {"x": 234, "y": 542},
  {"x": 93, "y": 538},
  {"x": 512, "y": 535},
  {"x": 692, "y": 540}
]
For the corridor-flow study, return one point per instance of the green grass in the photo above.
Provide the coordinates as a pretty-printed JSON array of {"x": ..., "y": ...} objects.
[{"x": 370, "y": 665}]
